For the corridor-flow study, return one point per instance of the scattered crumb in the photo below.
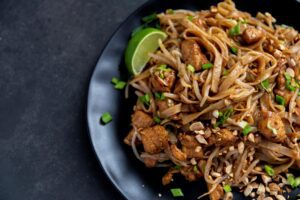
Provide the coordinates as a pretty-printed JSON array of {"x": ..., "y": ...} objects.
[{"x": 159, "y": 195}]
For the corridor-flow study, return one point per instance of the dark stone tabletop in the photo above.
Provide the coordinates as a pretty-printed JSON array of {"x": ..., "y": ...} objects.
[{"x": 48, "y": 50}]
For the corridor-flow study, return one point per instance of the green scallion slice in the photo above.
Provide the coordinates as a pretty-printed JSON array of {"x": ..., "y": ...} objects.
[
  {"x": 269, "y": 170},
  {"x": 265, "y": 84},
  {"x": 106, "y": 118},
  {"x": 280, "y": 100},
  {"x": 207, "y": 66},
  {"x": 191, "y": 68},
  {"x": 234, "y": 50},
  {"x": 120, "y": 85},
  {"x": 159, "y": 95},
  {"x": 246, "y": 130},
  {"x": 227, "y": 188},
  {"x": 145, "y": 99},
  {"x": 156, "y": 120},
  {"x": 234, "y": 31},
  {"x": 177, "y": 192},
  {"x": 291, "y": 179},
  {"x": 223, "y": 117},
  {"x": 287, "y": 77},
  {"x": 114, "y": 80},
  {"x": 190, "y": 18},
  {"x": 297, "y": 182}
]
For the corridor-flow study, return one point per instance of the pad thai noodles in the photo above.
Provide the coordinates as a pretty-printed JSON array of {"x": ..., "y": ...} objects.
[{"x": 220, "y": 100}]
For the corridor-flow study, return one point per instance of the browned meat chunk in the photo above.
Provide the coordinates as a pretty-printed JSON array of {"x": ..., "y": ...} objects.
[
  {"x": 162, "y": 79},
  {"x": 190, "y": 174},
  {"x": 177, "y": 153},
  {"x": 154, "y": 139},
  {"x": 141, "y": 120},
  {"x": 188, "y": 141},
  {"x": 190, "y": 146},
  {"x": 128, "y": 138},
  {"x": 192, "y": 153},
  {"x": 149, "y": 162},
  {"x": 162, "y": 105},
  {"x": 252, "y": 35},
  {"x": 217, "y": 194},
  {"x": 223, "y": 138},
  {"x": 192, "y": 54},
  {"x": 272, "y": 127},
  {"x": 167, "y": 178}
]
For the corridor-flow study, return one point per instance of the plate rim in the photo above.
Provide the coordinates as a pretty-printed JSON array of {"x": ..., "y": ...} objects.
[
  {"x": 91, "y": 81},
  {"x": 88, "y": 105}
]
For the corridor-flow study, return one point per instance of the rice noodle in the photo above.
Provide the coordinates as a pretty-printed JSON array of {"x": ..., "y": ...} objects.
[{"x": 219, "y": 99}]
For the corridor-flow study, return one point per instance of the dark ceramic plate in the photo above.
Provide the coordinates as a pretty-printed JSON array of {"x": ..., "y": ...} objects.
[{"x": 129, "y": 175}]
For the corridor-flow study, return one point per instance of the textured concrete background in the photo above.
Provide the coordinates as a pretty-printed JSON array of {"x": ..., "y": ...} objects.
[{"x": 48, "y": 50}]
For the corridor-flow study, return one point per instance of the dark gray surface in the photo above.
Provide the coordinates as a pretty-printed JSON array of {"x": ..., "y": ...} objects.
[{"x": 48, "y": 50}]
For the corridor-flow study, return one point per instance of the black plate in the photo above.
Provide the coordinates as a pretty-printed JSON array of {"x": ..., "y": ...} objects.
[{"x": 129, "y": 175}]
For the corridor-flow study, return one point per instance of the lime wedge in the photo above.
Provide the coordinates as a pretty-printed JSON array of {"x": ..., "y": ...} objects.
[{"x": 140, "y": 45}]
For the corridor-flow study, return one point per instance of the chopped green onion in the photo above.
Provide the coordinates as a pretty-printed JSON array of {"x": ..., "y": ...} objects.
[
  {"x": 291, "y": 84},
  {"x": 269, "y": 170},
  {"x": 177, "y": 192},
  {"x": 191, "y": 68},
  {"x": 234, "y": 50},
  {"x": 234, "y": 31},
  {"x": 207, "y": 66},
  {"x": 177, "y": 167},
  {"x": 297, "y": 182},
  {"x": 265, "y": 84},
  {"x": 280, "y": 100},
  {"x": 163, "y": 67},
  {"x": 150, "y": 18},
  {"x": 106, "y": 118},
  {"x": 196, "y": 170},
  {"x": 291, "y": 179},
  {"x": 223, "y": 117},
  {"x": 190, "y": 18},
  {"x": 145, "y": 99},
  {"x": 114, "y": 80},
  {"x": 159, "y": 95},
  {"x": 290, "y": 87},
  {"x": 247, "y": 129},
  {"x": 157, "y": 120},
  {"x": 287, "y": 77},
  {"x": 227, "y": 188},
  {"x": 170, "y": 11},
  {"x": 120, "y": 85}
]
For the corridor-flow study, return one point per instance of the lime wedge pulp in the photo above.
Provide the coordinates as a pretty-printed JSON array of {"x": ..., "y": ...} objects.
[{"x": 140, "y": 45}]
